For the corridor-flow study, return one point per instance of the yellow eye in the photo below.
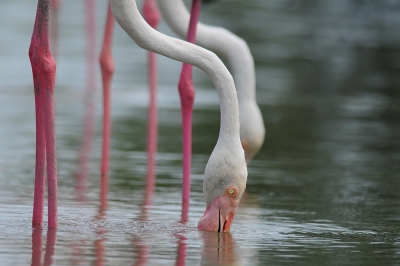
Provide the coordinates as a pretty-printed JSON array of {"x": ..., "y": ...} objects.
[{"x": 231, "y": 191}]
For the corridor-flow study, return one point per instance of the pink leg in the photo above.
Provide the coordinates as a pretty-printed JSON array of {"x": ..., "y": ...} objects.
[
  {"x": 107, "y": 71},
  {"x": 40, "y": 165},
  {"x": 187, "y": 92},
  {"x": 55, "y": 4},
  {"x": 86, "y": 147},
  {"x": 51, "y": 153},
  {"x": 38, "y": 198},
  {"x": 152, "y": 16},
  {"x": 44, "y": 70}
]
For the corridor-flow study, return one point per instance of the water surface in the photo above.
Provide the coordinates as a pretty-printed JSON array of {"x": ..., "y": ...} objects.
[{"x": 323, "y": 190}]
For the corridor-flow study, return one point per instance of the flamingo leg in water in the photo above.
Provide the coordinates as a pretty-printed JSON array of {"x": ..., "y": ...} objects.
[
  {"x": 187, "y": 93},
  {"x": 107, "y": 71},
  {"x": 44, "y": 70},
  {"x": 86, "y": 147},
  {"x": 152, "y": 16}
]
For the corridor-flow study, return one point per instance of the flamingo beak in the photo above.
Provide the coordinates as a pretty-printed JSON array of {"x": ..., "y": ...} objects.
[{"x": 219, "y": 215}]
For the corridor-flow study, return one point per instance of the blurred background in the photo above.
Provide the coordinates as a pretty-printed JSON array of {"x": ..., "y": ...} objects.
[{"x": 325, "y": 187}]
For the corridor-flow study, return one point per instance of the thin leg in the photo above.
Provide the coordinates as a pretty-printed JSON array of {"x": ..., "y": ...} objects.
[
  {"x": 86, "y": 147},
  {"x": 51, "y": 153},
  {"x": 40, "y": 162},
  {"x": 152, "y": 16},
  {"x": 107, "y": 71},
  {"x": 44, "y": 70},
  {"x": 40, "y": 167},
  {"x": 55, "y": 4},
  {"x": 187, "y": 93}
]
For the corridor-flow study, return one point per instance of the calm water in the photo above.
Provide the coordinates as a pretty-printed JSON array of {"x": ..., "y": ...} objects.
[{"x": 324, "y": 189}]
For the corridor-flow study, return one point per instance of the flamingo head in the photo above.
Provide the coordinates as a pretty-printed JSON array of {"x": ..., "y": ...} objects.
[{"x": 224, "y": 183}]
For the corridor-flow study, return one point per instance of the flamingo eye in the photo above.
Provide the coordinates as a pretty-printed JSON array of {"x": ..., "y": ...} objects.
[{"x": 232, "y": 192}]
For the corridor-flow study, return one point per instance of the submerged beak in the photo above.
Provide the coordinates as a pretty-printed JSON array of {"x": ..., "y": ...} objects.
[{"x": 219, "y": 215}]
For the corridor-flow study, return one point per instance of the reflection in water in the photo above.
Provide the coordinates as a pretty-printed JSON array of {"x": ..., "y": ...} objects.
[
  {"x": 141, "y": 252},
  {"x": 218, "y": 249},
  {"x": 101, "y": 216},
  {"x": 50, "y": 246},
  {"x": 140, "y": 247},
  {"x": 99, "y": 248},
  {"x": 77, "y": 253},
  {"x": 182, "y": 247},
  {"x": 37, "y": 246}
]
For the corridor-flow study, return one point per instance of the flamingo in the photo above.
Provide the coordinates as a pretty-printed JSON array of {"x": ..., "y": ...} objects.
[
  {"x": 239, "y": 57},
  {"x": 226, "y": 171},
  {"x": 44, "y": 71}
]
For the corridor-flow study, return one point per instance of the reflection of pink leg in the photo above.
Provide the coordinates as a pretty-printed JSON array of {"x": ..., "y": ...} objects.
[
  {"x": 107, "y": 71},
  {"x": 142, "y": 251},
  {"x": 186, "y": 92},
  {"x": 152, "y": 16},
  {"x": 50, "y": 246},
  {"x": 36, "y": 246},
  {"x": 100, "y": 251},
  {"x": 182, "y": 246},
  {"x": 44, "y": 70},
  {"x": 86, "y": 147}
]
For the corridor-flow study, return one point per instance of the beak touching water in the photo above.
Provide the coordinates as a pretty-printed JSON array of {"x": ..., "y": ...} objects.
[{"x": 219, "y": 214}]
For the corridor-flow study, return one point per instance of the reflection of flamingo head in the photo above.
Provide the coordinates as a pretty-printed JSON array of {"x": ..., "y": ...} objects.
[
  {"x": 224, "y": 183},
  {"x": 219, "y": 249}
]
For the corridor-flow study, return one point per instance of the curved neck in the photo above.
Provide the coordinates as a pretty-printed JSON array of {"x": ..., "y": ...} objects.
[
  {"x": 128, "y": 16},
  {"x": 218, "y": 40}
]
